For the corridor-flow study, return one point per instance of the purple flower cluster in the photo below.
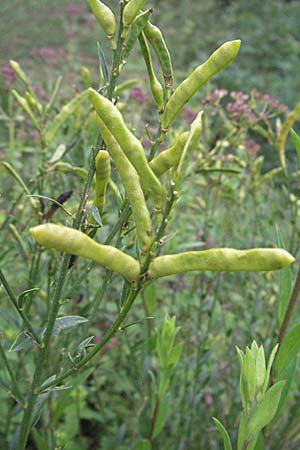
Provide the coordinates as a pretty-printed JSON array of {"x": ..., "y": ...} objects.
[
  {"x": 75, "y": 9},
  {"x": 48, "y": 52},
  {"x": 239, "y": 96},
  {"x": 240, "y": 110},
  {"x": 215, "y": 96},
  {"x": 251, "y": 146},
  {"x": 138, "y": 95},
  {"x": 270, "y": 101},
  {"x": 41, "y": 93},
  {"x": 8, "y": 74},
  {"x": 51, "y": 55}
]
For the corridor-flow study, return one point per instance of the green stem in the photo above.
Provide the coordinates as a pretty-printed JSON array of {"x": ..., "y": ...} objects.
[
  {"x": 41, "y": 362},
  {"x": 123, "y": 311},
  {"x": 14, "y": 301},
  {"x": 108, "y": 335},
  {"x": 115, "y": 72},
  {"x": 42, "y": 357},
  {"x": 15, "y": 387}
]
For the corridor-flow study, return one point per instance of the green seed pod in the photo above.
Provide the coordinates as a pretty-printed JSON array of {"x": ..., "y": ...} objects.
[
  {"x": 32, "y": 101},
  {"x": 86, "y": 76},
  {"x": 103, "y": 170},
  {"x": 136, "y": 29},
  {"x": 155, "y": 86},
  {"x": 25, "y": 106},
  {"x": 190, "y": 145},
  {"x": 18, "y": 71},
  {"x": 131, "y": 182},
  {"x": 130, "y": 12},
  {"x": 131, "y": 146},
  {"x": 76, "y": 243},
  {"x": 221, "y": 260},
  {"x": 282, "y": 134},
  {"x": 170, "y": 157},
  {"x": 217, "y": 61},
  {"x": 154, "y": 36},
  {"x": 106, "y": 19}
]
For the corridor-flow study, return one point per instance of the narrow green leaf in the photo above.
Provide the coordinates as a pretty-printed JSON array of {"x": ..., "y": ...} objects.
[
  {"x": 102, "y": 61},
  {"x": 59, "y": 152},
  {"x": 288, "y": 349},
  {"x": 66, "y": 322},
  {"x": 162, "y": 415},
  {"x": 242, "y": 431},
  {"x": 23, "y": 296},
  {"x": 269, "y": 366},
  {"x": 224, "y": 434},
  {"x": 143, "y": 444},
  {"x": 64, "y": 114},
  {"x": 288, "y": 375},
  {"x": 22, "y": 342},
  {"x": 265, "y": 409},
  {"x": 54, "y": 94},
  {"x": 296, "y": 140}
]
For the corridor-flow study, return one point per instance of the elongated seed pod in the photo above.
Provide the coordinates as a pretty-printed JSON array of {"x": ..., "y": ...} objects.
[
  {"x": 103, "y": 170},
  {"x": 76, "y": 243},
  {"x": 190, "y": 145},
  {"x": 221, "y": 260},
  {"x": 216, "y": 62},
  {"x": 130, "y": 12},
  {"x": 136, "y": 29},
  {"x": 155, "y": 86},
  {"x": 131, "y": 182},
  {"x": 283, "y": 133},
  {"x": 170, "y": 157},
  {"x": 25, "y": 106},
  {"x": 131, "y": 146},
  {"x": 106, "y": 19},
  {"x": 154, "y": 36}
]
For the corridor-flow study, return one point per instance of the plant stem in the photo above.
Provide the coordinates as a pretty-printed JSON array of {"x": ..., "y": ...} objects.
[
  {"x": 14, "y": 301},
  {"x": 41, "y": 362},
  {"x": 42, "y": 357},
  {"x": 290, "y": 308},
  {"x": 117, "y": 58},
  {"x": 110, "y": 332},
  {"x": 15, "y": 387}
]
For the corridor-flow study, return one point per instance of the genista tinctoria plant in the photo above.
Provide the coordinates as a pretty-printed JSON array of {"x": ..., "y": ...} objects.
[{"x": 148, "y": 200}]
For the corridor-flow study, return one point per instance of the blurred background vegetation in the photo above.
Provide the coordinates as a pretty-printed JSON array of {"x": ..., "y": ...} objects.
[
  {"x": 269, "y": 58},
  {"x": 239, "y": 208}
]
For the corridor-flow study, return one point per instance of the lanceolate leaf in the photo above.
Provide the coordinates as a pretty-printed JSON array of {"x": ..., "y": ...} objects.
[
  {"x": 266, "y": 409},
  {"x": 224, "y": 434},
  {"x": 288, "y": 349},
  {"x": 296, "y": 140},
  {"x": 64, "y": 114},
  {"x": 66, "y": 322}
]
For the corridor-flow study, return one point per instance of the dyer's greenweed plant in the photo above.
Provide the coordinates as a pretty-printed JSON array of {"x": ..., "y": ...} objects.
[{"x": 144, "y": 198}]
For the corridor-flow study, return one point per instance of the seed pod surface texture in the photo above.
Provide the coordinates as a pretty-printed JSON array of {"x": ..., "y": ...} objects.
[
  {"x": 104, "y": 15},
  {"x": 132, "y": 147},
  {"x": 216, "y": 62},
  {"x": 170, "y": 157},
  {"x": 131, "y": 10},
  {"x": 155, "y": 37},
  {"x": 74, "y": 242},
  {"x": 221, "y": 260},
  {"x": 132, "y": 186},
  {"x": 103, "y": 170}
]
